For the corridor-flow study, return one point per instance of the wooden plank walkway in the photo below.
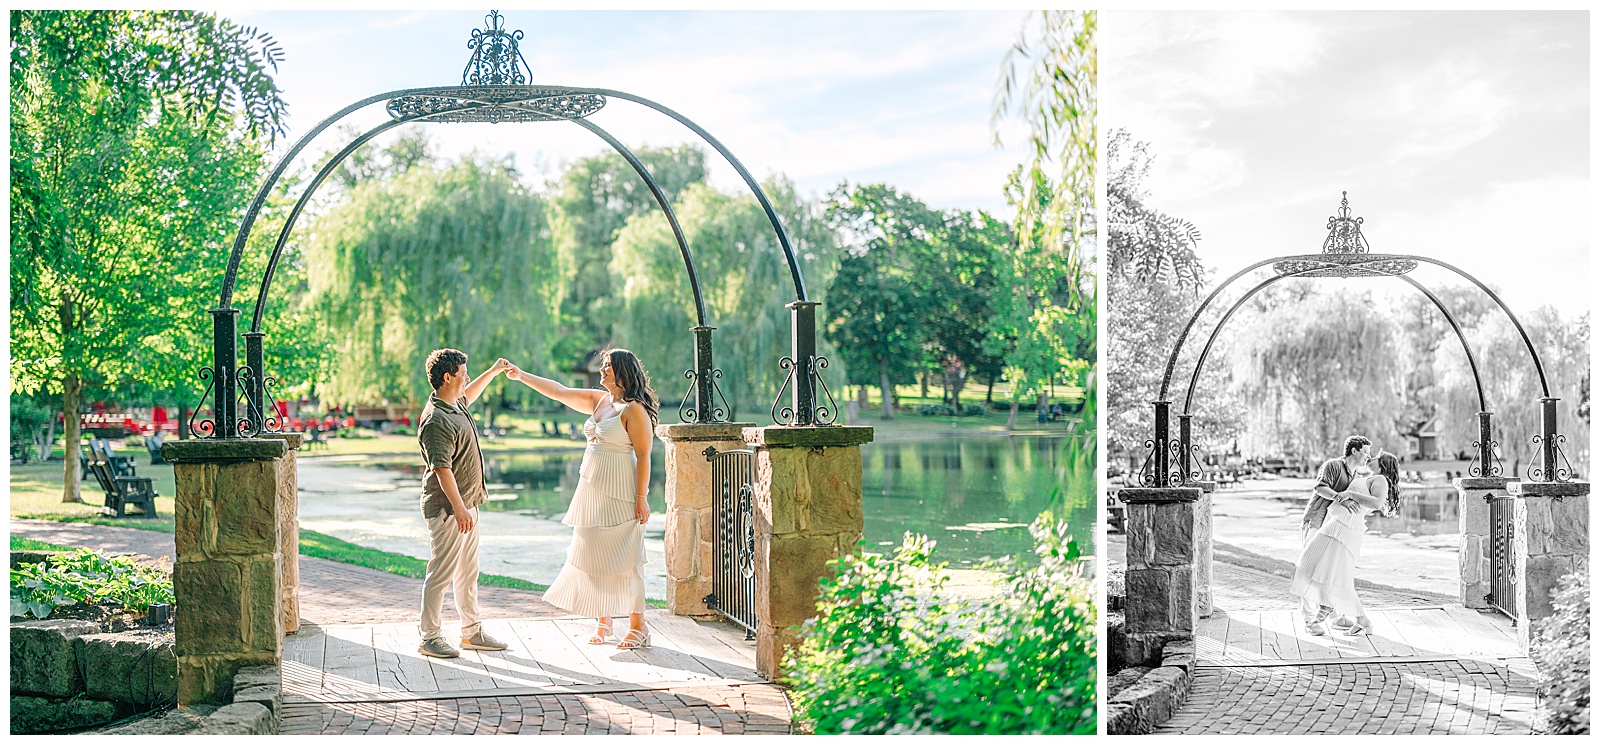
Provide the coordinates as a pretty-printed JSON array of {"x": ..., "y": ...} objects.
[
  {"x": 380, "y": 662},
  {"x": 1278, "y": 637}
]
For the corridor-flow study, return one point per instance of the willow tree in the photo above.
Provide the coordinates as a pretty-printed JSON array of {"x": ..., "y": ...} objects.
[
  {"x": 1318, "y": 365},
  {"x": 136, "y": 138},
  {"x": 745, "y": 281},
  {"x": 1049, "y": 79},
  {"x": 594, "y": 199},
  {"x": 441, "y": 255}
]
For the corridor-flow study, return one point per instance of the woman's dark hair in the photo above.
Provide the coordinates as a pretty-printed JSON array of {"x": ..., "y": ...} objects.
[
  {"x": 1389, "y": 468},
  {"x": 443, "y": 362},
  {"x": 633, "y": 380}
]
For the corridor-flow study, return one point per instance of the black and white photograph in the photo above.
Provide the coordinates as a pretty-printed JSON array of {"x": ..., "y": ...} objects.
[{"x": 1347, "y": 372}]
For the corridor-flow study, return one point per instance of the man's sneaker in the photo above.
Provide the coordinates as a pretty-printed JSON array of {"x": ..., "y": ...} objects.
[
  {"x": 437, "y": 648},
  {"x": 483, "y": 641}
]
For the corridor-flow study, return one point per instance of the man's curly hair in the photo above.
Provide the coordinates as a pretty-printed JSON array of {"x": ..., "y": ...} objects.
[{"x": 442, "y": 362}]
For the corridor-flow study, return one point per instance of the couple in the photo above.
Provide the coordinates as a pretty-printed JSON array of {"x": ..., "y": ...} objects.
[
  {"x": 603, "y": 575},
  {"x": 1330, "y": 535}
]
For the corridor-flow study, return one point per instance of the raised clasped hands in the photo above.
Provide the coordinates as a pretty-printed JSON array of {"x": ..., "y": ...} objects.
[{"x": 504, "y": 365}]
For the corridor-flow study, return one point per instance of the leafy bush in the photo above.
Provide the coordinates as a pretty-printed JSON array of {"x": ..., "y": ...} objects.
[
  {"x": 936, "y": 410},
  {"x": 973, "y": 409},
  {"x": 888, "y": 656},
  {"x": 1561, "y": 650},
  {"x": 89, "y": 577}
]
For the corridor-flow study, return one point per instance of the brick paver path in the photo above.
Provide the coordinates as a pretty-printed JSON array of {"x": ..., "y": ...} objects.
[
  {"x": 745, "y": 709},
  {"x": 332, "y": 593},
  {"x": 1447, "y": 697}
]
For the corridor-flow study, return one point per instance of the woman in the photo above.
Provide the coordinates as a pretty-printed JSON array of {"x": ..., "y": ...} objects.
[
  {"x": 603, "y": 575},
  {"x": 1326, "y": 573}
]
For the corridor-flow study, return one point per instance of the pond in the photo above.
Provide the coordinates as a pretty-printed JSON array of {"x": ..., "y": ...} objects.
[{"x": 974, "y": 496}]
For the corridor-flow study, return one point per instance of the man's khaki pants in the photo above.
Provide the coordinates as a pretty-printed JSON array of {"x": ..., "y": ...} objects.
[{"x": 453, "y": 563}]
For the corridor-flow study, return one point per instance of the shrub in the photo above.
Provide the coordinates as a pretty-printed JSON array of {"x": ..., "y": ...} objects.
[
  {"x": 89, "y": 577},
  {"x": 1561, "y": 650},
  {"x": 936, "y": 410},
  {"x": 973, "y": 409},
  {"x": 888, "y": 656}
]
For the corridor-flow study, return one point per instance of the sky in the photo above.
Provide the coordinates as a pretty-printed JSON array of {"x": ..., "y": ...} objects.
[
  {"x": 820, "y": 97},
  {"x": 1462, "y": 136}
]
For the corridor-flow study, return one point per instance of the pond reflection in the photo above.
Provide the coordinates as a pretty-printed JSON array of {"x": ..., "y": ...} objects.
[{"x": 975, "y": 496}]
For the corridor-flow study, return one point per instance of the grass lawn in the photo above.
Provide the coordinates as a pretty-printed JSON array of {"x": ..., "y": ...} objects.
[{"x": 18, "y": 543}]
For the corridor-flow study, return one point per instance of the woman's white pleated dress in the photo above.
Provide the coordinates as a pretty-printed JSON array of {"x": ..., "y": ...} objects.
[
  {"x": 1326, "y": 572},
  {"x": 604, "y": 573}
]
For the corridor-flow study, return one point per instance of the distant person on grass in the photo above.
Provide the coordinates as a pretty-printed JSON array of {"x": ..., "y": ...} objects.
[{"x": 451, "y": 494}]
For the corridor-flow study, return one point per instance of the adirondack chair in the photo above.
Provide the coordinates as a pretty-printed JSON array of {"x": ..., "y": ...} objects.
[
  {"x": 124, "y": 491},
  {"x": 121, "y": 465},
  {"x": 152, "y": 443},
  {"x": 316, "y": 440}
]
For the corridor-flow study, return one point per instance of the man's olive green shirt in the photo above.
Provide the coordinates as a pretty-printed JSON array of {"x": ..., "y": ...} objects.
[{"x": 449, "y": 439}]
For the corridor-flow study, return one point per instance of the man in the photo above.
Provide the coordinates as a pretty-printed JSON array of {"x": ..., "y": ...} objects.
[
  {"x": 451, "y": 493},
  {"x": 1333, "y": 479}
]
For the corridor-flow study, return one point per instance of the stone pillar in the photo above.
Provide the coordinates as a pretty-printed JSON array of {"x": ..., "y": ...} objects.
[
  {"x": 691, "y": 527},
  {"x": 228, "y": 575},
  {"x": 1202, "y": 548},
  {"x": 1164, "y": 529},
  {"x": 289, "y": 529},
  {"x": 807, "y": 511},
  {"x": 1472, "y": 509},
  {"x": 1551, "y": 541}
]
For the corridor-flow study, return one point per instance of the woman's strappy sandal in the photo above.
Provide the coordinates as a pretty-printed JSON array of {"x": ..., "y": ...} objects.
[
  {"x": 635, "y": 639},
  {"x": 1358, "y": 628},
  {"x": 602, "y": 634}
]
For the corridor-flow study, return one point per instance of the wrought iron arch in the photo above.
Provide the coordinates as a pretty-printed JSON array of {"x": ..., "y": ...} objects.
[
  {"x": 1345, "y": 254},
  {"x": 493, "y": 90}
]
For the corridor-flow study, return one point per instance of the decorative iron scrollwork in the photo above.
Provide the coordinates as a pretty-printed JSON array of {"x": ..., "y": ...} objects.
[
  {"x": 250, "y": 423},
  {"x": 689, "y": 409},
  {"x": 1344, "y": 231},
  {"x": 821, "y": 414},
  {"x": 1556, "y": 472},
  {"x": 747, "y": 542},
  {"x": 1477, "y": 468},
  {"x": 496, "y": 56},
  {"x": 274, "y": 420},
  {"x": 495, "y": 105},
  {"x": 1147, "y": 469},
  {"x": 206, "y": 427}
]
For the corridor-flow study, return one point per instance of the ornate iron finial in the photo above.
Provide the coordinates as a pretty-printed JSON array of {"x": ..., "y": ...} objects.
[
  {"x": 1344, "y": 231},
  {"x": 496, "y": 60}
]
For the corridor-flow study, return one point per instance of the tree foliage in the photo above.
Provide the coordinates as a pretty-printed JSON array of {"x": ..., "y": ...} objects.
[
  {"x": 744, "y": 279},
  {"x": 1142, "y": 242},
  {"x": 135, "y": 139},
  {"x": 440, "y": 255},
  {"x": 594, "y": 200}
]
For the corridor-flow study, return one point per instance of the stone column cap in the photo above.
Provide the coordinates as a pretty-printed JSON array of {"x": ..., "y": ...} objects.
[
  {"x": 1158, "y": 495},
  {"x": 208, "y": 451},
  {"x": 291, "y": 439},
  {"x": 783, "y": 437},
  {"x": 694, "y": 432},
  {"x": 1205, "y": 486},
  {"x": 1483, "y": 482},
  {"x": 1548, "y": 488}
]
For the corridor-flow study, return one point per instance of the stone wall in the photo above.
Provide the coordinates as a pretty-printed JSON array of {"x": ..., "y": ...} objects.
[
  {"x": 1166, "y": 528},
  {"x": 1551, "y": 540},
  {"x": 68, "y": 674},
  {"x": 289, "y": 530},
  {"x": 808, "y": 510},
  {"x": 691, "y": 525},
  {"x": 228, "y": 577},
  {"x": 1473, "y": 515}
]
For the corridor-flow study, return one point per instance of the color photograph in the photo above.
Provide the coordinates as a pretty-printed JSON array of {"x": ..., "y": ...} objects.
[{"x": 553, "y": 372}]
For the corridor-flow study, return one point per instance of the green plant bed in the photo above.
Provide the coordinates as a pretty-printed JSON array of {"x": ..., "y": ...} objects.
[
  {"x": 888, "y": 655},
  {"x": 88, "y": 578},
  {"x": 18, "y": 543}
]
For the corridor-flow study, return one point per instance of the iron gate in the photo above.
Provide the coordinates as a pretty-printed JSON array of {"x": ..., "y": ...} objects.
[
  {"x": 733, "y": 558},
  {"x": 1502, "y": 571}
]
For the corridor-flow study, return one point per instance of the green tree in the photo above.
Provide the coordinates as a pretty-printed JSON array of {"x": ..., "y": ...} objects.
[
  {"x": 881, "y": 295},
  {"x": 455, "y": 255},
  {"x": 135, "y": 140},
  {"x": 594, "y": 200},
  {"x": 1041, "y": 319},
  {"x": 745, "y": 281}
]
